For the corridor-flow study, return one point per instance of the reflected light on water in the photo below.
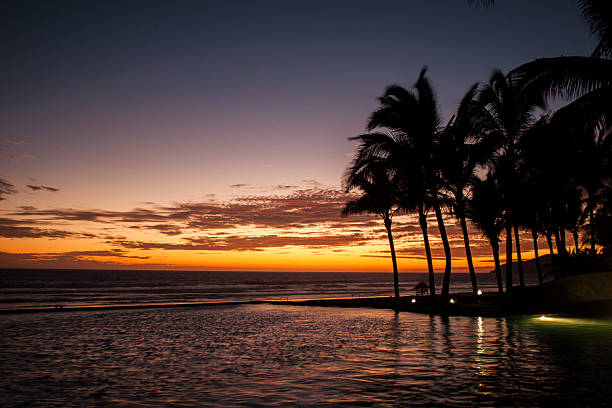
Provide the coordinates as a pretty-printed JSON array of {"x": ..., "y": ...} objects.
[
  {"x": 480, "y": 348},
  {"x": 571, "y": 321}
]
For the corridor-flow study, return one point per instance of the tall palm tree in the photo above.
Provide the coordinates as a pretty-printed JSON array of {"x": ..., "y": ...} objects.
[
  {"x": 484, "y": 209},
  {"x": 379, "y": 196},
  {"x": 412, "y": 117},
  {"x": 400, "y": 157},
  {"x": 509, "y": 113},
  {"x": 459, "y": 154}
]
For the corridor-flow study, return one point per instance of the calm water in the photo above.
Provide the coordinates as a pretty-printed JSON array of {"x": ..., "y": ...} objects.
[
  {"x": 27, "y": 288},
  {"x": 264, "y": 355}
]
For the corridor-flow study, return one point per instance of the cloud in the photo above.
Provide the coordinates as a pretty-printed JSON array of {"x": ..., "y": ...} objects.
[
  {"x": 312, "y": 183},
  {"x": 15, "y": 141},
  {"x": 306, "y": 218},
  {"x": 10, "y": 228},
  {"x": 136, "y": 215},
  {"x": 298, "y": 209},
  {"x": 46, "y": 188},
  {"x": 19, "y": 156},
  {"x": 166, "y": 229},
  {"x": 246, "y": 243},
  {"x": 6, "y": 188},
  {"x": 239, "y": 185},
  {"x": 74, "y": 259}
]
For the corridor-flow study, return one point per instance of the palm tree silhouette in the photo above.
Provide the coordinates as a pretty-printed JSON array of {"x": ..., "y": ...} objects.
[
  {"x": 412, "y": 117},
  {"x": 379, "y": 196},
  {"x": 509, "y": 113},
  {"x": 460, "y": 153},
  {"x": 400, "y": 157},
  {"x": 484, "y": 209}
]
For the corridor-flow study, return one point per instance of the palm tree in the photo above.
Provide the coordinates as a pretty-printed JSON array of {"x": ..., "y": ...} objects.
[
  {"x": 484, "y": 209},
  {"x": 509, "y": 113},
  {"x": 459, "y": 155},
  {"x": 379, "y": 196},
  {"x": 412, "y": 118},
  {"x": 396, "y": 151}
]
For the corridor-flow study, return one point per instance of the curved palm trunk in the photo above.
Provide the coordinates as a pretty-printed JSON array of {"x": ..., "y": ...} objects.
[
  {"x": 509, "y": 258},
  {"x": 468, "y": 251},
  {"x": 430, "y": 270},
  {"x": 447, "y": 251},
  {"x": 498, "y": 274},
  {"x": 395, "y": 273},
  {"x": 519, "y": 259},
  {"x": 534, "y": 234}
]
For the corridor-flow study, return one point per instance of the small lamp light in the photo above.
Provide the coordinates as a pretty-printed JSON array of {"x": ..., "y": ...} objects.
[
  {"x": 479, "y": 292},
  {"x": 452, "y": 300},
  {"x": 413, "y": 300}
]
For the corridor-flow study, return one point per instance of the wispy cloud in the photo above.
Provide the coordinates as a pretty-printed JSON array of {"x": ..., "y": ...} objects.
[
  {"x": 72, "y": 259},
  {"x": 246, "y": 243},
  {"x": 298, "y": 209},
  {"x": 15, "y": 141},
  {"x": 11, "y": 228},
  {"x": 19, "y": 156},
  {"x": 6, "y": 188},
  {"x": 45, "y": 188}
]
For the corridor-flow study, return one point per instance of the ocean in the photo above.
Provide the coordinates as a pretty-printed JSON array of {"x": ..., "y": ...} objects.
[
  {"x": 261, "y": 355},
  {"x": 34, "y": 288}
]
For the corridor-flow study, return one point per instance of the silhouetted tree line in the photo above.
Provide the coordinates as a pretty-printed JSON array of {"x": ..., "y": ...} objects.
[{"x": 498, "y": 163}]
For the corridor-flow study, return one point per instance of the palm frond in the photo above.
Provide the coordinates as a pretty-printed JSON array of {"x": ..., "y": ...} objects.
[
  {"x": 567, "y": 77},
  {"x": 598, "y": 14}
]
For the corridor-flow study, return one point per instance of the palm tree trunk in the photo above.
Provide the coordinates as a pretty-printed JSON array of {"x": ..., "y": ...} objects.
[
  {"x": 560, "y": 249},
  {"x": 509, "y": 258},
  {"x": 498, "y": 274},
  {"x": 534, "y": 234},
  {"x": 552, "y": 255},
  {"x": 447, "y": 251},
  {"x": 550, "y": 244},
  {"x": 563, "y": 241},
  {"x": 423, "y": 223},
  {"x": 591, "y": 216},
  {"x": 575, "y": 236},
  {"x": 395, "y": 273},
  {"x": 468, "y": 251},
  {"x": 519, "y": 259}
]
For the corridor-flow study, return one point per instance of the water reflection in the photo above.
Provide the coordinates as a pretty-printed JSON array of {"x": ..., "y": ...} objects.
[{"x": 281, "y": 355}]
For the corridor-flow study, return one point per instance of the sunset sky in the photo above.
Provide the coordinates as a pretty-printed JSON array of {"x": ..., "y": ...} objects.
[{"x": 213, "y": 135}]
